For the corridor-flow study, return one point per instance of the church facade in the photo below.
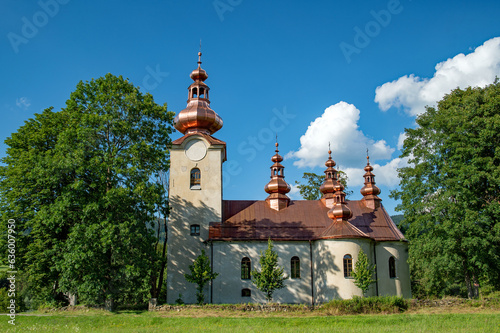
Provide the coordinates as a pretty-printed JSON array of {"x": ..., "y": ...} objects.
[{"x": 317, "y": 241}]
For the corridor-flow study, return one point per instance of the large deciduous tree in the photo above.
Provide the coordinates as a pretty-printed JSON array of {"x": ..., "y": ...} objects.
[
  {"x": 450, "y": 193},
  {"x": 81, "y": 184}
]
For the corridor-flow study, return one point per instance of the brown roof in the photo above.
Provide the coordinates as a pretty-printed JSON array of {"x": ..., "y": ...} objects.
[
  {"x": 301, "y": 220},
  {"x": 209, "y": 138}
]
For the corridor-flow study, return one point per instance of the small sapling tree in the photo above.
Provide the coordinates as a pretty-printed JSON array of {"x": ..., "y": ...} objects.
[
  {"x": 363, "y": 272},
  {"x": 271, "y": 277},
  {"x": 201, "y": 274}
]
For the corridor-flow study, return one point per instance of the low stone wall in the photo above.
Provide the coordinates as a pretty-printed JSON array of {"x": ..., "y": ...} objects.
[{"x": 238, "y": 307}]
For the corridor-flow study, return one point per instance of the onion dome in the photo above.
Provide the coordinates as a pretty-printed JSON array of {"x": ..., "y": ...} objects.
[
  {"x": 198, "y": 117},
  {"x": 328, "y": 186},
  {"x": 277, "y": 186},
  {"x": 339, "y": 212},
  {"x": 370, "y": 190}
]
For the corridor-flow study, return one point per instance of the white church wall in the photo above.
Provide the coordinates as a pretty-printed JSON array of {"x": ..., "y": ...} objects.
[
  {"x": 399, "y": 285},
  {"x": 328, "y": 258},
  {"x": 227, "y": 258}
]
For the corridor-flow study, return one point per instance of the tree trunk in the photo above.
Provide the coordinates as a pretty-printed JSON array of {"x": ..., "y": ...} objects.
[
  {"x": 476, "y": 286},
  {"x": 152, "y": 304},
  {"x": 468, "y": 282},
  {"x": 109, "y": 304}
]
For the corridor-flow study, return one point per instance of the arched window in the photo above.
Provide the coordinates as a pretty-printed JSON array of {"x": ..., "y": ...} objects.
[
  {"x": 347, "y": 265},
  {"x": 392, "y": 267},
  {"x": 246, "y": 292},
  {"x": 295, "y": 265},
  {"x": 195, "y": 183},
  {"x": 195, "y": 229},
  {"x": 246, "y": 267},
  {"x": 195, "y": 92}
]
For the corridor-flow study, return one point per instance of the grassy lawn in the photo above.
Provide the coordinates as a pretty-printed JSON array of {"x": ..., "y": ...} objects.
[{"x": 222, "y": 321}]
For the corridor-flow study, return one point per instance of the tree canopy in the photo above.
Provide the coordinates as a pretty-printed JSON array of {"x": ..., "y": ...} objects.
[
  {"x": 310, "y": 190},
  {"x": 450, "y": 193},
  {"x": 81, "y": 184}
]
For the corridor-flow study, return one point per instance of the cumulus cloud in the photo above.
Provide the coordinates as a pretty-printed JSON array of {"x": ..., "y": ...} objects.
[
  {"x": 401, "y": 140},
  {"x": 338, "y": 125},
  {"x": 386, "y": 174},
  {"x": 413, "y": 93},
  {"x": 294, "y": 192},
  {"x": 23, "y": 103}
]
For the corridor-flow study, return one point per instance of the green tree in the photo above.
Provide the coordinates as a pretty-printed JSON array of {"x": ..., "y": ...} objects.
[
  {"x": 313, "y": 181},
  {"x": 201, "y": 274},
  {"x": 450, "y": 193},
  {"x": 271, "y": 277},
  {"x": 80, "y": 185},
  {"x": 363, "y": 272}
]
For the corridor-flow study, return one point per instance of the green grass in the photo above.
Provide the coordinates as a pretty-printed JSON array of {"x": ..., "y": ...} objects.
[{"x": 172, "y": 322}]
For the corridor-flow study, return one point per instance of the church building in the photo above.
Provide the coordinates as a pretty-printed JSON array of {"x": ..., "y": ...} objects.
[{"x": 317, "y": 241}]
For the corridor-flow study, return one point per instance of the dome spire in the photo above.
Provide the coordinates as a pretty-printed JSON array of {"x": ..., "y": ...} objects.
[
  {"x": 277, "y": 186},
  {"x": 198, "y": 117},
  {"x": 370, "y": 190},
  {"x": 328, "y": 186}
]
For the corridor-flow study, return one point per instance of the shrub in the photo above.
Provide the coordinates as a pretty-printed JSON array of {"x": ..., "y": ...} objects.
[{"x": 356, "y": 305}]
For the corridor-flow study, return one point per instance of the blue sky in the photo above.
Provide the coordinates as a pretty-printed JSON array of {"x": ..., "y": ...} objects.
[{"x": 355, "y": 73}]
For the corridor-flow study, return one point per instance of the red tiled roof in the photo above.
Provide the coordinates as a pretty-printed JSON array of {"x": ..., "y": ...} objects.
[{"x": 301, "y": 220}]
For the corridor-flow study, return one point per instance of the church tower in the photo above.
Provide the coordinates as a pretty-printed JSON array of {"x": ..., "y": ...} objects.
[{"x": 195, "y": 192}]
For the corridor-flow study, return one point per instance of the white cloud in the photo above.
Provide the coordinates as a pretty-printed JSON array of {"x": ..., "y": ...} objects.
[
  {"x": 401, "y": 140},
  {"x": 384, "y": 175},
  {"x": 294, "y": 192},
  {"x": 413, "y": 93},
  {"x": 338, "y": 125},
  {"x": 23, "y": 103}
]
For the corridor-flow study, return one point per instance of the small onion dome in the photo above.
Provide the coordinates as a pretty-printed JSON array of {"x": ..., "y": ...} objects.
[
  {"x": 277, "y": 186},
  {"x": 370, "y": 188},
  {"x": 339, "y": 212},
  {"x": 330, "y": 176},
  {"x": 198, "y": 117}
]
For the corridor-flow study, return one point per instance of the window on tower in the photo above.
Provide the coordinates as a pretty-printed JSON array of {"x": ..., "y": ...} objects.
[
  {"x": 195, "y": 183},
  {"x": 195, "y": 229}
]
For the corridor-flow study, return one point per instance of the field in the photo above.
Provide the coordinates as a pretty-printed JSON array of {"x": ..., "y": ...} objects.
[{"x": 210, "y": 320}]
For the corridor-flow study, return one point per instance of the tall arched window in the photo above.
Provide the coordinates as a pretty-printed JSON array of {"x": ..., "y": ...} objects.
[
  {"x": 195, "y": 182},
  {"x": 295, "y": 265},
  {"x": 392, "y": 267},
  {"x": 347, "y": 265},
  {"x": 246, "y": 267}
]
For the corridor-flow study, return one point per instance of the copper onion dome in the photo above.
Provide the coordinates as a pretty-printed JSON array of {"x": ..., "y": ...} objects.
[
  {"x": 370, "y": 190},
  {"x": 339, "y": 212},
  {"x": 277, "y": 186},
  {"x": 198, "y": 117},
  {"x": 328, "y": 186}
]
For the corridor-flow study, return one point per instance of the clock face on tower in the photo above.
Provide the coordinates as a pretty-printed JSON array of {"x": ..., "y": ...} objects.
[{"x": 196, "y": 150}]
